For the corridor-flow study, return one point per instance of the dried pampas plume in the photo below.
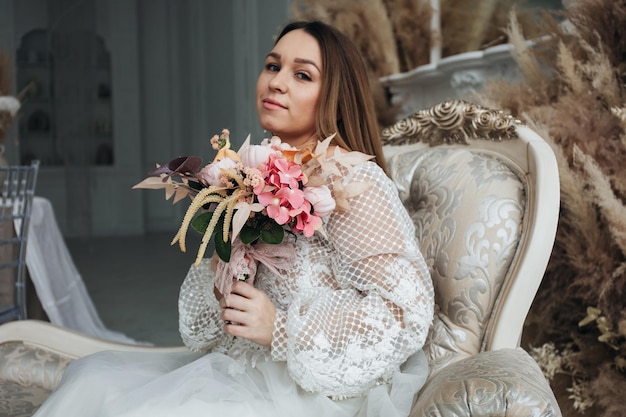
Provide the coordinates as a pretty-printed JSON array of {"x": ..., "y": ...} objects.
[
  {"x": 612, "y": 209},
  {"x": 411, "y": 21},
  {"x": 462, "y": 27},
  {"x": 470, "y": 28},
  {"x": 527, "y": 61},
  {"x": 396, "y": 36},
  {"x": 573, "y": 94}
]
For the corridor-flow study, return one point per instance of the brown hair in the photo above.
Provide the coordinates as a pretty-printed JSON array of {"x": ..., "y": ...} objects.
[{"x": 346, "y": 102}]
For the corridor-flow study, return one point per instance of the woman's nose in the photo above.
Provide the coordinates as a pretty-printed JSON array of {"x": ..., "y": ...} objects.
[{"x": 278, "y": 82}]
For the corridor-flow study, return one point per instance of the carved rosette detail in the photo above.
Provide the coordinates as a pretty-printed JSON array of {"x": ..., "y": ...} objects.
[{"x": 451, "y": 122}]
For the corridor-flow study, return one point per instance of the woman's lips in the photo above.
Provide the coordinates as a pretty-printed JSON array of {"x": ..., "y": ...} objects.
[{"x": 270, "y": 104}]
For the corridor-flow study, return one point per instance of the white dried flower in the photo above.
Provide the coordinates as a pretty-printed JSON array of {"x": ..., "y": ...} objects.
[
  {"x": 620, "y": 112},
  {"x": 9, "y": 104},
  {"x": 580, "y": 394},
  {"x": 548, "y": 358}
]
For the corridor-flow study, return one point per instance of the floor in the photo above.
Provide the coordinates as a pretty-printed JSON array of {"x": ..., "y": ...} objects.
[{"x": 134, "y": 282}]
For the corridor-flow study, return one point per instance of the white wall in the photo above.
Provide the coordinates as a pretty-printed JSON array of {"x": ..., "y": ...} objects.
[
  {"x": 182, "y": 70},
  {"x": 199, "y": 61}
]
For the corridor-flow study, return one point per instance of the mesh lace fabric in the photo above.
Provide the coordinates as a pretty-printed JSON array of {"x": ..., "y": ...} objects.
[{"x": 357, "y": 302}]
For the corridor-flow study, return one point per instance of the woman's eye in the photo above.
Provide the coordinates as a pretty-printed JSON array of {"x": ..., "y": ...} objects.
[
  {"x": 272, "y": 67},
  {"x": 303, "y": 76}
]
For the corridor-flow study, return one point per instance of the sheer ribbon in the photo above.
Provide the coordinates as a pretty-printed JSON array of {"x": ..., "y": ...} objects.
[{"x": 245, "y": 258}]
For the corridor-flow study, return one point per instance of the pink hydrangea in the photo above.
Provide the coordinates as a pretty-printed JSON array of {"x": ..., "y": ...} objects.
[
  {"x": 278, "y": 172},
  {"x": 279, "y": 203},
  {"x": 306, "y": 223}
]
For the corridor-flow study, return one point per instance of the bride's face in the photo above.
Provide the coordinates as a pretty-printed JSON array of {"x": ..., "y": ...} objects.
[{"x": 289, "y": 87}]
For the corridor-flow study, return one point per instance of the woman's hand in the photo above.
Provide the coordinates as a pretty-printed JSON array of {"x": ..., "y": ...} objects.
[{"x": 248, "y": 313}]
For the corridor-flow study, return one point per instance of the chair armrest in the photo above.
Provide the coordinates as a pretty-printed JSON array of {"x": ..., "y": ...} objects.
[
  {"x": 67, "y": 342},
  {"x": 30, "y": 366},
  {"x": 506, "y": 382},
  {"x": 35, "y": 353}
]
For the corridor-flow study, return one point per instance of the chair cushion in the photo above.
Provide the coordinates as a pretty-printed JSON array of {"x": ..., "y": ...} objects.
[
  {"x": 19, "y": 401},
  {"x": 498, "y": 383},
  {"x": 468, "y": 207},
  {"x": 27, "y": 376},
  {"x": 30, "y": 366}
]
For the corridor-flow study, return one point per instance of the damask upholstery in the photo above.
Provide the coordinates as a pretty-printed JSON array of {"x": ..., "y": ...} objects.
[
  {"x": 28, "y": 374},
  {"x": 483, "y": 192},
  {"x": 497, "y": 383},
  {"x": 468, "y": 209}
]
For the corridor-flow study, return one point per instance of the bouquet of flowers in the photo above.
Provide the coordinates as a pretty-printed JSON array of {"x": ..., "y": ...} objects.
[{"x": 248, "y": 200}]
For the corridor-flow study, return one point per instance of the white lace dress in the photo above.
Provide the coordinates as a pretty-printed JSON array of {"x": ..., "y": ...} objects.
[{"x": 353, "y": 313}]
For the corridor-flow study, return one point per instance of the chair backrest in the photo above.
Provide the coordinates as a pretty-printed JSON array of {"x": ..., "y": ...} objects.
[
  {"x": 17, "y": 188},
  {"x": 483, "y": 192}
]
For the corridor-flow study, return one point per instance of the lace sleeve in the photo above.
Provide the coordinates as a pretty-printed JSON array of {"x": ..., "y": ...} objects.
[
  {"x": 199, "y": 320},
  {"x": 343, "y": 342}
]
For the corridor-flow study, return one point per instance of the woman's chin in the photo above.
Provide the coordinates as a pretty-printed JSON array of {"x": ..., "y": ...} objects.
[{"x": 273, "y": 128}]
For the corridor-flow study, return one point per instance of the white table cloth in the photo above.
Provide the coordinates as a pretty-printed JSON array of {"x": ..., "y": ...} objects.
[{"x": 58, "y": 283}]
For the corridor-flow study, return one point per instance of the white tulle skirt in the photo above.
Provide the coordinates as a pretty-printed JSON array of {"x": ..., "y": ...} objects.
[{"x": 125, "y": 384}]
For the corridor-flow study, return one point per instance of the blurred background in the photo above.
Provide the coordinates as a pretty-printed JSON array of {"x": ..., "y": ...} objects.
[{"x": 109, "y": 88}]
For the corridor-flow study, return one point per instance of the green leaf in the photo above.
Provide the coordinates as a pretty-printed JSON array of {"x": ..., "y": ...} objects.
[
  {"x": 222, "y": 248},
  {"x": 249, "y": 234},
  {"x": 274, "y": 234},
  {"x": 200, "y": 223},
  {"x": 195, "y": 185}
]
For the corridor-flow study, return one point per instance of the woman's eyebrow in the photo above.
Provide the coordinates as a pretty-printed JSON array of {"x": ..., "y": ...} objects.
[
  {"x": 307, "y": 61},
  {"x": 277, "y": 56}
]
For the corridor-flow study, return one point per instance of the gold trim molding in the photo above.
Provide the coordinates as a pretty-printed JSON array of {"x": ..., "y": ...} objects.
[{"x": 451, "y": 122}]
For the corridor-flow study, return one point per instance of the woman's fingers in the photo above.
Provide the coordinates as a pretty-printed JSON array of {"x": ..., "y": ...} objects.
[
  {"x": 244, "y": 289},
  {"x": 234, "y": 316},
  {"x": 248, "y": 313},
  {"x": 240, "y": 293}
]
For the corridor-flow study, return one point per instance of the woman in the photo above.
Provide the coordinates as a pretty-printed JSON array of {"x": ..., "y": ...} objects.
[{"x": 340, "y": 332}]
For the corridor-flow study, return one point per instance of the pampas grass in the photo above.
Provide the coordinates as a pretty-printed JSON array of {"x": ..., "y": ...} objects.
[
  {"x": 473, "y": 27},
  {"x": 607, "y": 23},
  {"x": 410, "y": 20},
  {"x": 614, "y": 387},
  {"x": 572, "y": 95},
  {"x": 396, "y": 36},
  {"x": 463, "y": 28},
  {"x": 529, "y": 64},
  {"x": 611, "y": 208}
]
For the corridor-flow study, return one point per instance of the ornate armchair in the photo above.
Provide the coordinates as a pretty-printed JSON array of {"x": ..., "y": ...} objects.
[{"x": 483, "y": 191}]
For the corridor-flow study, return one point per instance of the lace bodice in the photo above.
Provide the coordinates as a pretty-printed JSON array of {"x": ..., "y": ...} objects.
[{"x": 356, "y": 304}]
